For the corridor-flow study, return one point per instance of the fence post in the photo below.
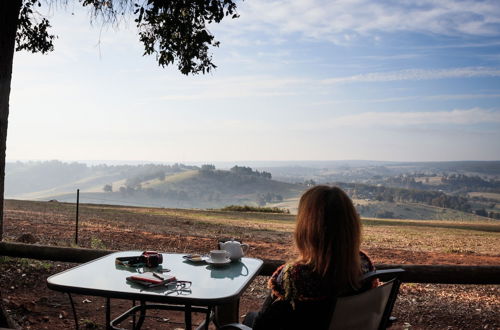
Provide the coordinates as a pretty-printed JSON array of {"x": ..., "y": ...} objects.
[{"x": 77, "y": 206}]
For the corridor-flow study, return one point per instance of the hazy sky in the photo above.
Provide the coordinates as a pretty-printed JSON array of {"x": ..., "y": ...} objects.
[{"x": 296, "y": 80}]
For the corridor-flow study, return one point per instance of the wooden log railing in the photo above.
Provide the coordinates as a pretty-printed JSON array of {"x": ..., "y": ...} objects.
[{"x": 438, "y": 274}]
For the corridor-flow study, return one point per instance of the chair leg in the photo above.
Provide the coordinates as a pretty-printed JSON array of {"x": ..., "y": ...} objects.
[
  {"x": 387, "y": 318},
  {"x": 391, "y": 321}
]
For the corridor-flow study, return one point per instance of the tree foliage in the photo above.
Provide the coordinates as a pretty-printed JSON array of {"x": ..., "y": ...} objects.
[
  {"x": 243, "y": 170},
  {"x": 174, "y": 31},
  {"x": 248, "y": 208},
  {"x": 207, "y": 167},
  {"x": 32, "y": 32}
]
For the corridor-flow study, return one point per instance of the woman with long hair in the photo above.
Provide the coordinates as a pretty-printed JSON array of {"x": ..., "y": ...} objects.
[{"x": 328, "y": 237}]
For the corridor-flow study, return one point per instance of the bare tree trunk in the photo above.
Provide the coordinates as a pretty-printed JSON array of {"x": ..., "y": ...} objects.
[{"x": 9, "y": 14}]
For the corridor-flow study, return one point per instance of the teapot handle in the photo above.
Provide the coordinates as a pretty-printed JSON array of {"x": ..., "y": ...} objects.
[{"x": 245, "y": 247}]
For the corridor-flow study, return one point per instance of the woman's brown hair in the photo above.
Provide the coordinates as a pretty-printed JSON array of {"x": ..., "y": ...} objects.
[{"x": 328, "y": 235}]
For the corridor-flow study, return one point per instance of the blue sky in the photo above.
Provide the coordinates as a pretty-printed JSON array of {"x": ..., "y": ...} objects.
[{"x": 296, "y": 80}]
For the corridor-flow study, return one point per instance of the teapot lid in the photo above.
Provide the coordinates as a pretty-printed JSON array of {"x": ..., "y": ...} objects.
[{"x": 233, "y": 241}]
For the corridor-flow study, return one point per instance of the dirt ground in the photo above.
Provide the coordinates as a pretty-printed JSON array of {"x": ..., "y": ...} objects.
[{"x": 34, "y": 306}]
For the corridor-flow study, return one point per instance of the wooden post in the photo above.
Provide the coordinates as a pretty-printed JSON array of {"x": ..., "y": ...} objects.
[
  {"x": 227, "y": 313},
  {"x": 77, "y": 207}
]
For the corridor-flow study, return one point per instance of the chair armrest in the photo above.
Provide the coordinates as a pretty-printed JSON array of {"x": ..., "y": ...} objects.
[
  {"x": 235, "y": 326},
  {"x": 383, "y": 274}
]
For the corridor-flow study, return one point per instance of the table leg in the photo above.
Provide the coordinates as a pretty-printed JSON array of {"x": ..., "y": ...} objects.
[
  {"x": 208, "y": 317},
  {"x": 74, "y": 311},
  {"x": 108, "y": 313},
  {"x": 142, "y": 315},
  {"x": 133, "y": 315},
  {"x": 227, "y": 313},
  {"x": 187, "y": 317}
]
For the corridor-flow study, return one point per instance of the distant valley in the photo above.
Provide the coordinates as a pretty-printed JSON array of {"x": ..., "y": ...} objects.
[{"x": 434, "y": 190}]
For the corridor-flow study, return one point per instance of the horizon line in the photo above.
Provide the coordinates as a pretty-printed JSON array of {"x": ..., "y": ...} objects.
[{"x": 187, "y": 162}]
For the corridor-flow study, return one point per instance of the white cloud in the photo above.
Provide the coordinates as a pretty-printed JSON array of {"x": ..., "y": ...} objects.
[
  {"x": 390, "y": 57},
  {"x": 417, "y": 74},
  {"x": 460, "y": 96},
  {"x": 265, "y": 86},
  {"x": 402, "y": 119},
  {"x": 343, "y": 20},
  {"x": 438, "y": 97}
]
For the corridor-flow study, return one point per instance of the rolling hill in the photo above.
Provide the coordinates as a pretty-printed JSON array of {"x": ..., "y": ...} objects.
[{"x": 185, "y": 187}]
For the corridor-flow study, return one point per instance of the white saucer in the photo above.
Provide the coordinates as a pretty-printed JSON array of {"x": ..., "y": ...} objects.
[
  {"x": 217, "y": 263},
  {"x": 196, "y": 259}
]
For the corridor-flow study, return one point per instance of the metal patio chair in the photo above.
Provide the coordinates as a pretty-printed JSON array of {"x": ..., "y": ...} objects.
[{"x": 368, "y": 310}]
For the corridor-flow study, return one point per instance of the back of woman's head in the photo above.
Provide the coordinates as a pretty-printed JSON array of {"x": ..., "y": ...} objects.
[{"x": 328, "y": 235}]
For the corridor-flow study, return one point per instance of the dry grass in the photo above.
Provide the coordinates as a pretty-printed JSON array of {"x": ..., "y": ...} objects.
[
  {"x": 481, "y": 238},
  {"x": 432, "y": 239},
  {"x": 387, "y": 241},
  {"x": 494, "y": 196}
]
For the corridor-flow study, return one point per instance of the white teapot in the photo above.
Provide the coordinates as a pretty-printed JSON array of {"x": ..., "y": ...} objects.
[{"x": 236, "y": 249}]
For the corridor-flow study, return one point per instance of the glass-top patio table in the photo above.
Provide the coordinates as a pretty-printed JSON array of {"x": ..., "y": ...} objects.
[{"x": 212, "y": 286}]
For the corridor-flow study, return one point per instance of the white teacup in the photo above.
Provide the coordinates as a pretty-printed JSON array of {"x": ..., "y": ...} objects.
[{"x": 219, "y": 255}]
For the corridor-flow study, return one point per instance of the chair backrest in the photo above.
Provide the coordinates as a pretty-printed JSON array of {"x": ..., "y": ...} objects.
[{"x": 369, "y": 310}]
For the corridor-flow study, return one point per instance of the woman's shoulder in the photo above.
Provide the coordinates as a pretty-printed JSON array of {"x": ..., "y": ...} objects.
[
  {"x": 366, "y": 263},
  {"x": 295, "y": 281},
  {"x": 367, "y": 266},
  {"x": 276, "y": 282},
  {"x": 291, "y": 270}
]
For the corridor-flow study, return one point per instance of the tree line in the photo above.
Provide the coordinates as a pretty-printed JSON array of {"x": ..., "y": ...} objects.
[
  {"x": 456, "y": 183},
  {"x": 236, "y": 175},
  {"x": 211, "y": 185},
  {"x": 393, "y": 194}
]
